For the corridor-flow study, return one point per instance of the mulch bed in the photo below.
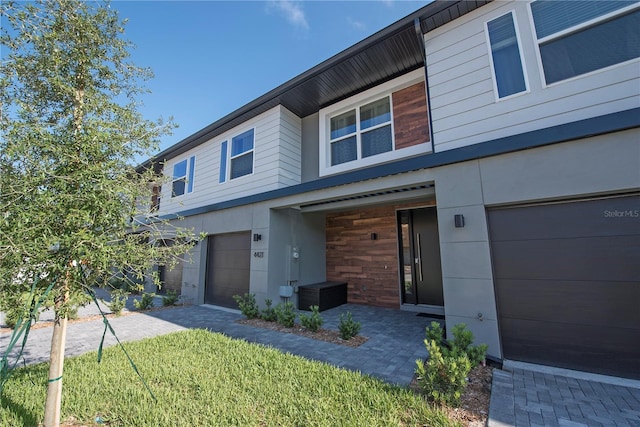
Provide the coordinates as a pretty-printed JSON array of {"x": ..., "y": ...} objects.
[{"x": 322, "y": 334}]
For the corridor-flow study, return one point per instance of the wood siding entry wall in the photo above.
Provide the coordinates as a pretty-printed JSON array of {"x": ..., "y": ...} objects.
[
  {"x": 368, "y": 265},
  {"x": 228, "y": 268},
  {"x": 567, "y": 278}
]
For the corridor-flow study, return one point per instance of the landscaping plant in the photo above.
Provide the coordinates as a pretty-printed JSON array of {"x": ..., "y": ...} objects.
[
  {"x": 269, "y": 313},
  {"x": 285, "y": 314},
  {"x": 118, "y": 301},
  {"x": 144, "y": 303},
  {"x": 171, "y": 298},
  {"x": 348, "y": 327},
  {"x": 443, "y": 377},
  {"x": 247, "y": 305},
  {"x": 313, "y": 321}
]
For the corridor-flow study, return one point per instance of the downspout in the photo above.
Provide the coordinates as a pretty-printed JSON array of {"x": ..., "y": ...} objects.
[{"x": 416, "y": 24}]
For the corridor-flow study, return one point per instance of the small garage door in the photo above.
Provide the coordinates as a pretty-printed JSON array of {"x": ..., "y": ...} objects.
[
  {"x": 228, "y": 264},
  {"x": 567, "y": 279}
]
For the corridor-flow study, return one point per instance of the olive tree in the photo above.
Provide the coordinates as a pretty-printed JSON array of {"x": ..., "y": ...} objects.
[{"x": 74, "y": 210}]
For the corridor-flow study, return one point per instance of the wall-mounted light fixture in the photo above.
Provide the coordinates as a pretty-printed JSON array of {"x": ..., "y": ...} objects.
[
  {"x": 374, "y": 236},
  {"x": 257, "y": 237},
  {"x": 458, "y": 220}
]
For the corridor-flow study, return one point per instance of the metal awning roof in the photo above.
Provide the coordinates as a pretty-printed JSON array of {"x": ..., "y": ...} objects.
[{"x": 387, "y": 54}]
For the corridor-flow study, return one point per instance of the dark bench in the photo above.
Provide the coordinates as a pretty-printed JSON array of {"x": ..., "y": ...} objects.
[{"x": 325, "y": 295}]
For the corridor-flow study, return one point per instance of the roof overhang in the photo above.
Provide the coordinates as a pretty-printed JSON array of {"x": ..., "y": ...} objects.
[{"x": 387, "y": 54}]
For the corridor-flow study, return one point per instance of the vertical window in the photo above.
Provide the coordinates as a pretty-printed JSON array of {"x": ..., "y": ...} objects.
[
  {"x": 361, "y": 132},
  {"x": 223, "y": 161},
  {"x": 578, "y": 37},
  {"x": 183, "y": 175},
  {"x": 236, "y": 159},
  {"x": 242, "y": 154},
  {"x": 505, "y": 56}
]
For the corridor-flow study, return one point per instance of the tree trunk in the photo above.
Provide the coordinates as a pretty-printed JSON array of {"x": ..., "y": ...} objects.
[{"x": 56, "y": 360}]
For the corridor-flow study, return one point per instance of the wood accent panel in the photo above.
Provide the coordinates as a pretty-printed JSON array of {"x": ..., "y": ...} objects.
[
  {"x": 370, "y": 267},
  {"x": 410, "y": 116}
]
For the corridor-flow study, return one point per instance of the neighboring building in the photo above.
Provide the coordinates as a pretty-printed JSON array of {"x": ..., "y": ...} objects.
[{"x": 499, "y": 186}]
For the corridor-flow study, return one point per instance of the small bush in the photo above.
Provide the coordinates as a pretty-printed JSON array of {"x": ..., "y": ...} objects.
[
  {"x": 348, "y": 327},
  {"x": 118, "y": 301},
  {"x": 146, "y": 302},
  {"x": 462, "y": 340},
  {"x": 285, "y": 314},
  {"x": 443, "y": 378},
  {"x": 247, "y": 305},
  {"x": 269, "y": 313},
  {"x": 313, "y": 321},
  {"x": 171, "y": 298}
]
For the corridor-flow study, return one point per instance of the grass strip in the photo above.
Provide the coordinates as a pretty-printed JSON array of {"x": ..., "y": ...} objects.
[{"x": 202, "y": 378}]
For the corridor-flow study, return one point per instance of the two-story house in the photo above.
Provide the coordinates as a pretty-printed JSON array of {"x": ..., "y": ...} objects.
[{"x": 478, "y": 160}]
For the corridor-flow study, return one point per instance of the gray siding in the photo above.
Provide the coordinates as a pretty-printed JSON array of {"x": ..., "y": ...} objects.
[
  {"x": 277, "y": 152},
  {"x": 463, "y": 103},
  {"x": 310, "y": 141}
]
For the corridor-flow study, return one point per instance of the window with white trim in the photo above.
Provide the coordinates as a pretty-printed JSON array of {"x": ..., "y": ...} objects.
[
  {"x": 361, "y": 132},
  {"x": 506, "y": 57},
  {"x": 239, "y": 158},
  {"x": 578, "y": 37},
  {"x": 183, "y": 174}
]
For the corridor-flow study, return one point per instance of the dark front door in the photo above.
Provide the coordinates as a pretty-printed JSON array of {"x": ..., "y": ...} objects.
[
  {"x": 228, "y": 265},
  {"x": 420, "y": 257}
]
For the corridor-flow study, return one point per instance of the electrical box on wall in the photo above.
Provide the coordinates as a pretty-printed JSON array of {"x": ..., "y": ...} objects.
[{"x": 293, "y": 263}]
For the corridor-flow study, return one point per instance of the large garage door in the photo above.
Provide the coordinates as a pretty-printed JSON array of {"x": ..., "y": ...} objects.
[
  {"x": 567, "y": 281},
  {"x": 228, "y": 264}
]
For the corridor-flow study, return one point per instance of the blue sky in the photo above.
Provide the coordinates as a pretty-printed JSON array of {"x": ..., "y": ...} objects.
[{"x": 212, "y": 57}]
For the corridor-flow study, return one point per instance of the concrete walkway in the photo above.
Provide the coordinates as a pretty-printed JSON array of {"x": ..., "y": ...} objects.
[{"x": 522, "y": 395}]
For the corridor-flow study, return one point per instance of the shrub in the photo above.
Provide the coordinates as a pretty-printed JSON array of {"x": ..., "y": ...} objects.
[
  {"x": 247, "y": 305},
  {"x": 285, "y": 314},
  {"x": 118, "y": 301},
  {"x": 312, "y": 322},
  {"x": 269, "y": 313},
  {"x": 462, "y": 339},
  {"x": 146, "y": 302},
  {"x": 348, "y": 327},
  {"x": 443, "y": 377},
  {"x": 170, "y": 298}
]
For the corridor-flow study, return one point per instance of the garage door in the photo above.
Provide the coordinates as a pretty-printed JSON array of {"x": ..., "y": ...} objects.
[
  {"x": 228, "y": 264},
  {"x": 567, "y": 279}
]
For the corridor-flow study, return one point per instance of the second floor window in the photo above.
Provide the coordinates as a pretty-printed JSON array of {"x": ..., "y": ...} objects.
[
  {"x": 578, "y": 37},
  {"x": 505, "y": 56},
  {"x": 183, "y": 174},
  {"x": 362, "y": 132},
  {"x": 240, "y": 159}
]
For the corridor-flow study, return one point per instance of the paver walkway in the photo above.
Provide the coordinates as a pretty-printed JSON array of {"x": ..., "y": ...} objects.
[{"x": 526, "y": 397}]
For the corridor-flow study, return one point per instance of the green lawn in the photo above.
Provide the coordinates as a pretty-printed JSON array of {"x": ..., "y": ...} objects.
[{"x": 205, "y": 379}]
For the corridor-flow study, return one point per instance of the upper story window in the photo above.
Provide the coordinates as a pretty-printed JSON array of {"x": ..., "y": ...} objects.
[
  {"x": 183, "y": 174},
  {"x": 506, "y": 57},
  {"x": 382, "y": 124},
  {"x": 578, "y": 37},
  {"x": 361, "y": 132},
  {"x": 240, "y": 157}
]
